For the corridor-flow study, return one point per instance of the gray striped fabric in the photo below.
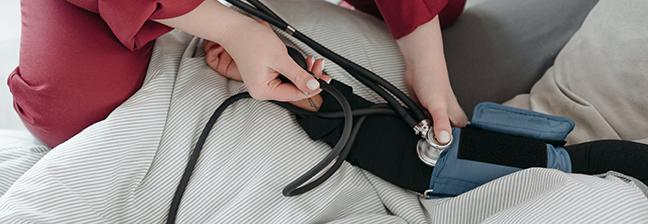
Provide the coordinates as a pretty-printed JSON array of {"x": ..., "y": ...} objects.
[
  {"x": 18, "y": 152},
  {"x": 125, "y": 169}
]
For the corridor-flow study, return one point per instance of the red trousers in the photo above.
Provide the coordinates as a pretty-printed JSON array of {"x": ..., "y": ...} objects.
[{"x": 77, "y": 64}]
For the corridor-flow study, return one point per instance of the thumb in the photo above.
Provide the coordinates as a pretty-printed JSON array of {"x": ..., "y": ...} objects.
[
  {"x": 297, "y": 75},
  {"x": 442, "y": 128}
]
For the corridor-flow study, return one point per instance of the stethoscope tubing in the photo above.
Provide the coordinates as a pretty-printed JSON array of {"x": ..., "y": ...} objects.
[
  {"x": 297, "y": 186},
  {"x": 342, "y": 148},
  {"x": 366, "y": 77}
]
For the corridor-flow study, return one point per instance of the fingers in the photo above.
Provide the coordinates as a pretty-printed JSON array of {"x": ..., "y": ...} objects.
[
  {"x": 294, "y": 90},
  {"x": 281, "y": 91},
  {"x": 224, "y": 62},
  {"x": 457, "y": 116},
  {"x": 212, "y": 53},
  {"x": 298, "y": 76},
  {"x": 318, "y": 70},
  {"x": 309, "y": 62},
  {"x": 303, "y": 85},
  {"x": 441, "y": 123}
]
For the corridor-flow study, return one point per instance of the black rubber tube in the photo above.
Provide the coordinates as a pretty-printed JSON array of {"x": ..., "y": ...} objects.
[
  {"x": 377, "y": 109},
  {"x": 366, "y": 77},
  {"x": 344, "y": 144},
  {"x": 293, "y": 188},
  {"x": 195, "y": 154},
  {"x": 358, "y": 71}
]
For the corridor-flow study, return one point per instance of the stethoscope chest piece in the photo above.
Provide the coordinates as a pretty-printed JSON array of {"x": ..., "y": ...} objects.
[
  {"x": 427, "y": 153},
  {"x": 429, "y": 150}
]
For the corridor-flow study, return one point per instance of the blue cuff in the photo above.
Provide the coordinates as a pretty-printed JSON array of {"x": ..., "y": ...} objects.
[
  {"x": 514, "y": 121},
  {"x": 453, "y": 176},
  {"x": 558, "y": 158}
]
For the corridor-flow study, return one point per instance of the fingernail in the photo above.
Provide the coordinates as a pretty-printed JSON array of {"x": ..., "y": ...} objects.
[
  {"x": 312, "y": 84},
  {"x": 444, "y": 137},
  {"x": 323, "y": 63}
]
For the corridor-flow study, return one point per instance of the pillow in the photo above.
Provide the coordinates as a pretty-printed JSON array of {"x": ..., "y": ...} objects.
[
  {"x": 600, "y": 78},
  {"x": 500, "y": 48}
]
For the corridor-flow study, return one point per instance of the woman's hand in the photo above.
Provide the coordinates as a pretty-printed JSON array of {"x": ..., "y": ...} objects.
[
  {"x": 260, "y": 55},
  {"x": 435, "y": 94},
  {"x": 220, "y": 61},
  {"x": 426, "y": 76}
]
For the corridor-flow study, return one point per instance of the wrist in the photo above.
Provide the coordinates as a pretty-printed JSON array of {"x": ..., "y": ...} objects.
[
  {"x": 422, "y": 44},
  {"x": 423, "y": 51},
  {"x": 427, "y": 73},
  {"x": 230, "y": 26}
]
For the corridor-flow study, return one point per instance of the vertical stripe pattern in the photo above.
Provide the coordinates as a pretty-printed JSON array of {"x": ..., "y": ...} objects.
[{"x": 125, "y": 168}]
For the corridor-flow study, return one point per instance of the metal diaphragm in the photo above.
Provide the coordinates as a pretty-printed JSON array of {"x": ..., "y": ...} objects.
[{"x": 429, "y": 150}]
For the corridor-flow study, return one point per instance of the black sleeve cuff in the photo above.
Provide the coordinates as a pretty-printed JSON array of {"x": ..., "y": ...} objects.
[{"x": 330, "y": 130}]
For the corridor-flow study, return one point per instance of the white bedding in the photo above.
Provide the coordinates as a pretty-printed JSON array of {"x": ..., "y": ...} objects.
[
  {"x": 125, "y": 169},
  {"x": 18, "y": 152}
]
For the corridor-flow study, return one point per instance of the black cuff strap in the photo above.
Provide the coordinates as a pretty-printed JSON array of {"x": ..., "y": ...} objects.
[
  {"x": 503, "y": 149},
  {"x": 329, "y": 130}
]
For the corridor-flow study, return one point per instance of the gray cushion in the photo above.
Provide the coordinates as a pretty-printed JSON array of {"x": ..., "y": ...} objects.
[
  {"x": 500, "y": 48},
  {"x": 599, "y": 79}
]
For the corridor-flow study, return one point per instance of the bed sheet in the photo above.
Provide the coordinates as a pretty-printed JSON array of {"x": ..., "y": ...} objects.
[
  {"x": 125, "y": 168},
  {"x": 19, "y": 150}
]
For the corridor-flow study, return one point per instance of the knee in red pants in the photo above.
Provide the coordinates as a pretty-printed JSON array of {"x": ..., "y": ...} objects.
[{"x": 73, "y": 71}]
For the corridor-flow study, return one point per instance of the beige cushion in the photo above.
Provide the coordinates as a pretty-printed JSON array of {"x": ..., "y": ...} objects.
[{"x": 600, "y": 78}]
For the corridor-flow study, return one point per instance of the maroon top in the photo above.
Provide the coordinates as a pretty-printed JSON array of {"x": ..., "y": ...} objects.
[
  {"x": 130, "y": 21},
  {"x": 80, "y": 59},
  {"x": 403, "y": 16}
]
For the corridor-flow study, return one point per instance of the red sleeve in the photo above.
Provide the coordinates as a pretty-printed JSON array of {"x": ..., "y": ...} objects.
[
  {"x": 402, "y": 17},
  {"x": 130, "y": 20}
]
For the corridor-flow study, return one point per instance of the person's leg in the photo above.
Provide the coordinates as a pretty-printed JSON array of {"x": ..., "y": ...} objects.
[
  {"x": 500, "y": 48},
  {"x": 73, "y": 72},
  {"x": 597, "y": 157}
]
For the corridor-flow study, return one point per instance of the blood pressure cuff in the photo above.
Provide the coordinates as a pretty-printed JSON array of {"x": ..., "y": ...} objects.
[{"x": 499, "y": 141}]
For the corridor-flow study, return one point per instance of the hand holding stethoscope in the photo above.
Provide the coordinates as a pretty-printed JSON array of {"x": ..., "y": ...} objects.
[
  {"x": 258, "y": 51},
  {"x": 398, "y": 103},
  {"x": 263, "y": 60},
  {"x": 426, "y": 76}
]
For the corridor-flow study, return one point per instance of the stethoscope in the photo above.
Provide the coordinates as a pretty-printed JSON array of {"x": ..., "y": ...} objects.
[{"x": 428, "y": 149}]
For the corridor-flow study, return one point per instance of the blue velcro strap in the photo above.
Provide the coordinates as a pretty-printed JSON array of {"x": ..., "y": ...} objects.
[
  {"x": 514, "y": 121},
  {"x": 558, "y": 158},
  {"x": 509, "y": 120}
]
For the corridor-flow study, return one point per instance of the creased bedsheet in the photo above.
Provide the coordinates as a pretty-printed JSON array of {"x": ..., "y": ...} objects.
[{"x": 125, "y": 169}]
